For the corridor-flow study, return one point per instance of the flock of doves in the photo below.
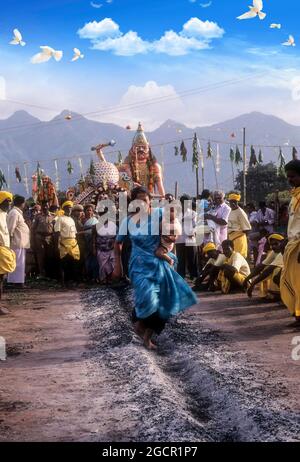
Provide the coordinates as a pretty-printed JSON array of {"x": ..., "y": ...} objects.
[
  {"x": 47, "y": 52},
  {"x": 256, "y": 10}
]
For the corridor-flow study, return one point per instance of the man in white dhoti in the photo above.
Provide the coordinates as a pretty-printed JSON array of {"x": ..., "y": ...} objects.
[
  {"x": 19, "y": 239},
  {"x": 7, "y": 256}
]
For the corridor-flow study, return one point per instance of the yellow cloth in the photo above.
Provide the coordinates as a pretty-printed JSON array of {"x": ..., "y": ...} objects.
[
  {"x": 268, "y": 285},
  {"x": 69, "y": 247},
  {"x": 240, "y": 242},
  {"x": 234, "y": 197},
  {"x": 276, "y": 237},
  {"x": 225, "y": 283},
  {"x": 7, "y": 260},
  {"x": 5, "y": 195},
  {"x": 290, "y": 280},
  {"x": 294, "y": 212},
  {"x": 67, "y": 204},
  {"x": 208, "y": 247},
  {"x": 240, "y": 264},
  {"x": 59, "y": 213}
]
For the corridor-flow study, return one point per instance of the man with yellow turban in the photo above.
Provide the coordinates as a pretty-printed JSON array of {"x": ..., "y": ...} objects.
[
  {"x": 290, "y": 278},
  {"x": 238, "y": 225},
  {"x": 210, "y": 270},
  {"x": 7, "y": 256},
  {"x": 268, "y": 272},
  {"x": 66, "y": 243}
]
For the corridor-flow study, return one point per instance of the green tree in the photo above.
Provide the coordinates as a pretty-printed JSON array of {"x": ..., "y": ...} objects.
[{"x": 261, "y": 181}]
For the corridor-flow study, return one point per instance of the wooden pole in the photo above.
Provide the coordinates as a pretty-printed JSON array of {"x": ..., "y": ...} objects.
[
  {"x": 176, "y": 190},
  {"x": 197, "y": 182}
]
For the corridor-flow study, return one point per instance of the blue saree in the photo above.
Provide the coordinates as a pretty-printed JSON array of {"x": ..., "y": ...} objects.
[{"x": 158, "y": 289}]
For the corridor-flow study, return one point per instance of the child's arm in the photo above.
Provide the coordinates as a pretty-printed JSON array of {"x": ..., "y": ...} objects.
[{"x": 162, "y": 253}]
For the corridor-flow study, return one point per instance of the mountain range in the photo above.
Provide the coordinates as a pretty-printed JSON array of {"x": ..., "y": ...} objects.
[{"x": 24, "y": 138}]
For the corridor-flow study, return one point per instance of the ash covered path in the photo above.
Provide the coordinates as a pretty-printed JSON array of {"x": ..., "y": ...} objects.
[{"x": 76, "y": 372}]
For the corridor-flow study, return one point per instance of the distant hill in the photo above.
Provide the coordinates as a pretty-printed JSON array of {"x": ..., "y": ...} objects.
[{"x": 24, "y": 138}]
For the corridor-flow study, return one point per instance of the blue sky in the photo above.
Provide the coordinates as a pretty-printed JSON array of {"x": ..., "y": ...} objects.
[{"x": 211, "y": 46}]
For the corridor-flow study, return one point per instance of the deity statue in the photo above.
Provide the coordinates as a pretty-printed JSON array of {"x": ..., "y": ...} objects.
[
  {"x": 43, "y": 189},
  {"x": 141, "y": 167},
  {"x": 101, "y": 178}
]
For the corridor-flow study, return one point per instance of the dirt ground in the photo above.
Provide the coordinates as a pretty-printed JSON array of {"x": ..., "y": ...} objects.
[{"x": 76, "y": 372}]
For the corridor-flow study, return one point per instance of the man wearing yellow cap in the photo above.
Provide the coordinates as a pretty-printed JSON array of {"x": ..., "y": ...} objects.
[
  {"x": 238, "y": 225},
  {"x": 290, "y": 278},
  {"x": 268, "y": 272},
  {"x": 7, "y": 256},
  {"x": 210, "y": 270},
  {"x": 66, "y": 243}
]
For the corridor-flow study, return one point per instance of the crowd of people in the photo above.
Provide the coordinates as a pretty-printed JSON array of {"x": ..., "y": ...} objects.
[{"x": 240, "y": 249}]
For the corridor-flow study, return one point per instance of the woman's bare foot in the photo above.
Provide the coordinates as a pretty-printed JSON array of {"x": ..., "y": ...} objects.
[
  {"x": 150, "y": 345},
  {"x": 139, "y": 329},
  {"x": 148, "y": 340}
]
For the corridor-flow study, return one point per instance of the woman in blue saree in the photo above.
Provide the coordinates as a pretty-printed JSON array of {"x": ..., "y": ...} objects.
[{"x": 159, "y": 291}]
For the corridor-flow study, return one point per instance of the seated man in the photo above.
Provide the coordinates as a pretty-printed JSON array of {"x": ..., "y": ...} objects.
[
  {"x": 209, "y": 272},
  {"x": 268, "y": 272},
  {"x": 233, "y": 270}
]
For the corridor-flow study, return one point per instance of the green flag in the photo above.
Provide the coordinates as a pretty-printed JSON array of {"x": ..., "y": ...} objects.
[
  {"x": 70, "y": 168},
  {"x": 209, "y": 150},
  {"x": 238, "y": 156},
  {"x": 183, "y": 152},
  {"x": 295, "y": 154},
  {"x": 253, "y": 159}
]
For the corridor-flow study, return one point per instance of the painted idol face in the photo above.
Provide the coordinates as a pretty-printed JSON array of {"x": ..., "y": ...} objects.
[{"x": 142, "y": 153}]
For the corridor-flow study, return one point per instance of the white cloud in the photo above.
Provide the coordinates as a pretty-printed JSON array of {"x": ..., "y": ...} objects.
[
  {"x": 99, "y": 30},
  {"x": 2, "y": 88},
  {"x": 127, "y": 45},
  {"x": 203, "y": 29},
  {"x": 174, "y": 44},
  {"x": 106, "y": 35},
  {"x": 164, "y": 103}
]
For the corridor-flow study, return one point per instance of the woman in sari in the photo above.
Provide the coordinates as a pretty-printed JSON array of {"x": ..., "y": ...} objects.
[{"x": 160, "y": 292}]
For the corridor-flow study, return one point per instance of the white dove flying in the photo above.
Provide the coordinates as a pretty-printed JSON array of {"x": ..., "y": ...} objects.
[
  {"x": 255, "y": 10},
  {"x": 46, "y": 54},
  {"x": 78, "y": 55},
  {"x": 290, "y": 42},
  {"x": 275, "y": 26},
  {"x": 18, "y": 39}
]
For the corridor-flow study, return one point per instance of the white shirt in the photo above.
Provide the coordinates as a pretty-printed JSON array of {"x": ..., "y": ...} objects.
[
  {"x": 188, "y": 228},
  {"x": 269, "y": 217},
  {"x": 4, "y": 233},
  {"x": 238, "y": 221},
  {"x": 66, "y": 227},
  {"x": 18, "y": 229},
  {"x": 220, "y": 231}
]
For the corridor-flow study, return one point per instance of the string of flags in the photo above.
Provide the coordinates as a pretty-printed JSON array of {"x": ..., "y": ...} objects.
[{"x": 213, "y": 153}]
